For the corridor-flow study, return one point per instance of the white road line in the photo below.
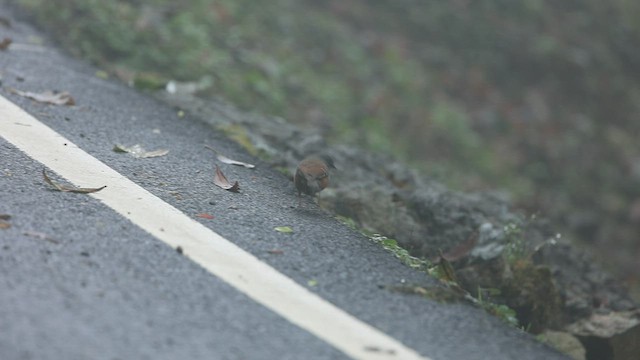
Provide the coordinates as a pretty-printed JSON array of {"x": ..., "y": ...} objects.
[{"x": 220, "y": 257}]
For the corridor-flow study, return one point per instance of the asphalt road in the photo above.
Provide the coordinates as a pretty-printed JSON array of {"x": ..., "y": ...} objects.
[{"x": 80, "y": 281}]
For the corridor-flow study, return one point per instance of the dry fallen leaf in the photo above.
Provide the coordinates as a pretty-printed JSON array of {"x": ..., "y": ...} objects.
[
  {"x": 4, "y": 221},
  {"x": 226, "y": 160},
  {"x": 205, "y": 216},
  {"x": 139, "y": 152},
  {"x": 41, "y": 236},
  {"x": 221, "y": 181},
  {"x": 72, "y": 189},
  {"x": 4, "y": 224},
  {"x": 283, "y": 229},
  {"x": 4, "y": 44},
  {"x": 47, "y": 97}
]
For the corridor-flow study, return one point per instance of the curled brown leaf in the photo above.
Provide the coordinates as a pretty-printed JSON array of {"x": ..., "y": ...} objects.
[
  {"x": 4, "y": 221},
  {"x": 41, "y": 236},
  {"x": 4, "y": 44},
  {"x": 221, "y": 181},
  {"x": 72, "y": 189},
  {"x": 47, "y": 97},
  {"x": 139, "y": 152}
]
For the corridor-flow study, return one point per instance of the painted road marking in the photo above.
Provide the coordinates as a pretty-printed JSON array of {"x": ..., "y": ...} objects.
[{"x": 217, "y": 255}]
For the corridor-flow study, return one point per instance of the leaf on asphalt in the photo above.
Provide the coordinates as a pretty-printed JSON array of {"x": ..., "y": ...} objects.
[
  {"x": 41, "y": 236},
  {"x": 65, "y": 188},
  {"x": 377, "y": 349},
  {"x": 189, "y": 87},
  {"x": 221, "y": 181},
  {"x": 283, "y": 229},
  {"x": 4, "y": 221},
  {"x": 138, "y": 151},
  {"x": 275, "y": 251},
  {"x": 205, "y": 216},
  {"x": 226, "y": 160},
  {"x": 47, "y": 97},
  {"x": 4, "y": 44}
]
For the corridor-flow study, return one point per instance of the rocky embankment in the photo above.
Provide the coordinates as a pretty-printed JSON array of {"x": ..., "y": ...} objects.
[{"x": 497, "y": 254}]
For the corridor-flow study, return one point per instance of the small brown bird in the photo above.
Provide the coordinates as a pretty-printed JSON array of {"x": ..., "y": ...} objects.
[{"x": 312, "y": 175}]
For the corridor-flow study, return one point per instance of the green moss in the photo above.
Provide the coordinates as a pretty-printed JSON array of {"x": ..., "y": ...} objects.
[
  {"x": 238, "y": 133},
  {"x": 399, "y": 252},
  {"x": 148, "y": 81},
  {"x": 450, "y": 290}
]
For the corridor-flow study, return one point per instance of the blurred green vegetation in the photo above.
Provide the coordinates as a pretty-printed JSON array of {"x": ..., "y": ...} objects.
[{"x": 539, "y": 97}]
